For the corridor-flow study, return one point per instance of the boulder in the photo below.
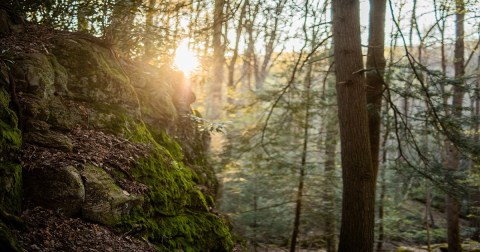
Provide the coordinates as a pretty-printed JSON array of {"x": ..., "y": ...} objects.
[
  {"x": 57, "y": 188},
  {"x": 51, "y": 139},
  {"x": 105, "y": 202}
]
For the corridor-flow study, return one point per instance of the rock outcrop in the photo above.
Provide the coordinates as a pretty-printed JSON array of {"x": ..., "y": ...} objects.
[{"x": 111, "y": 143}]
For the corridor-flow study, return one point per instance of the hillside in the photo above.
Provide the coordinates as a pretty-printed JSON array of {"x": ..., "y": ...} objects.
[{"x": 98, "y": 153}]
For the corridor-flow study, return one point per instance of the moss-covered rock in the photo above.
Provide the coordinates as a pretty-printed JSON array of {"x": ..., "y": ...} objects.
[
  {"x": 81, "y": 85},
  {"x": 10, "y": 135},
  {"x": 10, "y": 186},
  {"x": 51, "y": 139},
  {"x": 176, "y": 212},
  {"x": 94, "y": 74},
  {"x": 59, "y": 188},
  {"x": 10, "y": 169},
  {"x": 7, "y": 240},
  {"x": 105, "y": 202}
]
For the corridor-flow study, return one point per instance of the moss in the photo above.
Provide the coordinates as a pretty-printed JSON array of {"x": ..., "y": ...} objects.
[
  {"x": 10, "y": 135},
  {"x": 7, "y": 241},
  {"x": 10, "y": 186},
  {"x": 404, "y": 249},
  {"x": 171, "y": 183},
  {"x": 39, "y": 74},
  {"x": 94, "y": 75},
  {"x": 194, "y": 232},
  {"x": 175, "y": 214},
  {"x": 10, "y": 172}
]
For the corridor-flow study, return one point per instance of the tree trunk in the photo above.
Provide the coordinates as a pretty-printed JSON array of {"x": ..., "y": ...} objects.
[
  {"x": 233, "y": 61},
  {"x": 301, "y": 177},
  {"x": 357, "y": 226},
  {"x": 214, "y": 102},
  {"x": 383, "y": 188},
  {"x": 452, "y": 203},
  {"x": 376, "y": 69},
  {"x": 148, "y": 44},
  {"x": 330, "y": 181},
  {"x": 475, "y": 198}
]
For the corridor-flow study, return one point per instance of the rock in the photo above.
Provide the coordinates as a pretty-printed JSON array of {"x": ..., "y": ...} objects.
[
  {"x": 50, "y": 139},
  {"x": 10, "y": 23},
  {"x": 57, "y": 188},
  {"x": 4, "y": 26},
  {"x": 37, "y": 74},
  {"x": 10, "y": 186},
  {"x": 7, "y": 240},
  {"x": 94, "y": 74},
  {"x": 105, "y": 202}
]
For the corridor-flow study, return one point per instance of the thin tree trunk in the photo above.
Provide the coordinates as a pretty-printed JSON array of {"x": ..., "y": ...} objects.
[
  {"x": 358, "y": 203},
  {"x": 428, "y": 203},
  {"x": 233, "y": 61},
  {"x": 301, "y": 177},
  {"x": 452, "y": 203},
  {"x": 329, "y": 175},
  {"x": 383, "y": 188},
  {"x": 250, "y": 57}
]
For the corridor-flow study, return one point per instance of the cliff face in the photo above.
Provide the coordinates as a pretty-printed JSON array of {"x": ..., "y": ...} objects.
[{"x": 111, "y": 143}]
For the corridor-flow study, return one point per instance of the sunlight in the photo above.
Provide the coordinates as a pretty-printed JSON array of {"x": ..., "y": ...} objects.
[{"x": 185, "y": 60}]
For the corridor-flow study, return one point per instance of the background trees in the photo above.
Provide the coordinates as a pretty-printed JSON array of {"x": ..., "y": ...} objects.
[{"x": 267, "y": 74}]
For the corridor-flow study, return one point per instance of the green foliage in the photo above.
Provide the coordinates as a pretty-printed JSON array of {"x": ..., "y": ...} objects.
[{"x": 207, "y": 125}]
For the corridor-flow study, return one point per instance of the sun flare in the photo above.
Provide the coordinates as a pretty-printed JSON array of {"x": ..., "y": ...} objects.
[{"x": 185, "y": 60}]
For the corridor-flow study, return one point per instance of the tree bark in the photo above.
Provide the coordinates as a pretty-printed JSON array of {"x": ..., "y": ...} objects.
[
  {"x": 452, "y": 203},
  {"x": 214, "y": 102},
  {"x": 303, "y": 164},
  {"x": 376, "y": 69},
  {"x": 475, "y": 198},
  {"x": 383, "y": 187},
  {"x": 331, "y": 128},
  {"x": 357, "y": 226}
]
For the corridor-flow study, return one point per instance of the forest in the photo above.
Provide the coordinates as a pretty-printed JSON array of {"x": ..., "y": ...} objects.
[{"x": 342, "y": 125}]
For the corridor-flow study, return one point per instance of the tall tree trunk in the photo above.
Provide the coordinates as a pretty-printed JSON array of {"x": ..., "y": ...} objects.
[
  {"x": 214, "y": 102},
  {"x": 452, "y": 203},
  {"x": 357, "y": 226},
  {"x": 303, "y": 164},
  {"x": 261, "y": 71},
  {"x": 383, "y": 188},
  {"x": 233, "y": 61},
  {"x": 376, "y": 69},
  {"x": 475, "y": 198},
  {"x": 331, "y": 128}
]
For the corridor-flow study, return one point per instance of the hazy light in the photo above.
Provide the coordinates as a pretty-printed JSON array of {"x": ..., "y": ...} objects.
[{"x": 185, "y": 60}]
